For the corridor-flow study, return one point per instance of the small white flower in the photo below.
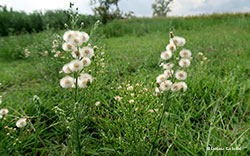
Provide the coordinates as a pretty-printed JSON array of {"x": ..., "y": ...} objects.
[
  {"x": 131, "y": 101},
  {"x": 130, "y": 88},
  {"x": 82, "y": 83},
  {"x": 166, "y": 85},
  {"x": 67, "y": 82},
  {"x": 119, "y": 87},
  {"x": 84, "y": 37},
  {"x": 157, "y": 91},
  {"x": 85, "y": 76},
  {"x": 75, "y": 65},
  {"x": 184, "y": 62},
  {"x": 68, "y": 47},
  {"x": 87, "y": 52},
  {"x": 183, "y": 86},
  {"x": 204, "y": 58},
  {"x": 4, "y": 111},
  {"x": 200, "y": 54},
  {"x": 1, "y": 116},
  {"x": 161, "y": 78},
  {"x": 132, "y": 94},
  {"x": 86, "y": 61},
  {"x": 168, "y": 66},
  {"x": 171, "y": 47},
  {"x": 168, "y": 73},
  {"x": 176, "y": 87},
  {"x": 178, "y": 41},
  {"x": 181, "y": 75},
  {"x": 68, "y": 35},
  {"x": 118, "y": 98},
  {"x": 145, "y": 89},
  {"x": 98, "y": 103},
  {"x": 166, "y": 55},
  {"x": 66, "y": 69},
  {"x": 21, "y": 123},
  {"x": 185, "y": 53}
]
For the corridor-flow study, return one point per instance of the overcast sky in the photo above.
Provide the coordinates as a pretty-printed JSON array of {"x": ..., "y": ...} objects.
[{"x": 139, "y": 7}]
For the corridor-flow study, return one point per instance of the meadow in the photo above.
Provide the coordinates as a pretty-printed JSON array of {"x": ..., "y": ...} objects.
[{"x": 213, "y": 112}]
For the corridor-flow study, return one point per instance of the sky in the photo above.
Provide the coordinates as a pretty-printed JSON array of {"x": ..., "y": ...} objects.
[{"x": 139, "y": 7}]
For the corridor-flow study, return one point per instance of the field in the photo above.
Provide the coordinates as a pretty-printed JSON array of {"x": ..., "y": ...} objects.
[{"x": 213, "y": 112}]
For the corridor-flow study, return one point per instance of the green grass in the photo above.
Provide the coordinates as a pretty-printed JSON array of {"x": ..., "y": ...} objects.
[{"x": 213, "y": 111}]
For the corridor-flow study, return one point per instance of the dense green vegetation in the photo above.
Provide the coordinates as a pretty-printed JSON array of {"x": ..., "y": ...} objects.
[
  {"x": 16, "y": 22},
  {"x": 212, "y": 112}
]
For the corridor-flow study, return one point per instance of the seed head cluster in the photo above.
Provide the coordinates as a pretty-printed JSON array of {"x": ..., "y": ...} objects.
[{"x": 174, "y": 67}]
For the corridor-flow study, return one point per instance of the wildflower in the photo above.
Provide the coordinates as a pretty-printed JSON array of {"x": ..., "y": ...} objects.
[
  {"x": 161, "y": 78},
  {"x": 27, "y": 53},
  {"x": 68, "y": 35},
  {"x": 4, "y": 111},
  {"x": 86, "y": 61},
  {"x": 68, "y": 47},
  {"x": 166, "y": 85},
  {"x": 119, "y": 88},
  {"x": 184, "y": 62},
  {"x": 85, "y": 76},
  {"x": 131, "y": 101},
  {"x": 132, "y": 94},
  {"x": 185, "y": 53},
  {"x": 204, "y": 58},
  {"x": 67, "y": 82},
  {"x": 145, "y": 89},
  {"x": 166, "y": 55},
  {"x": 130, "y": 88},
  {"x": 175, "y": 87},
  {"x": 181, "y": 75},
  {"x": 118, "y": 98},
  {"x": 46, "y": 53},
  {"x": 1, "y": 116},
  {"x": 57, "y": 54},
  {"x": 87, "y": 52},
  {"x": 136, "y": 109},
  {"x": 75, "y": 65},
  {"x": 102, "y": 53},
  {"x": 21, "y": 123},
  {"x": 84, "y": 37},
  {"x": 178, "y": 41},
  {"x": 157, "y": 91},
  {"x": 168, "y": 66},
  {"x": 183, "y": 86},
  {"x": 168, "y": 73},
  {"x": 171, "y": 47},
  {"x": 97, "y": 103},
  {"x": 200, "y": 54},
  {"x": 66, "y": 69}
]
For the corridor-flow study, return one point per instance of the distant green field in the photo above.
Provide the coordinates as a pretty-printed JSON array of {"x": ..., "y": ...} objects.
[{"x": 213, "y": 111}]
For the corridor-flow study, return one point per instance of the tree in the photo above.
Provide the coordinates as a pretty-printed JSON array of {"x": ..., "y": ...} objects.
[
  {"x": 106, "y": 9},
  {"x": 161, "y": 7}
]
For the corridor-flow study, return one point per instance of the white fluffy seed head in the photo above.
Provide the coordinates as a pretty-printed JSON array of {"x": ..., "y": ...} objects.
[
  {"x": 185, "y": 53},
  {"x": 166, "y": 55},
  {"x": 178, "y": 41},
  {"x": 161, "y": 78},
  {"x": 76, "y": 54},
  {"x": 4, "y": 111},
  {"x": 176, "y": 87},
  {"x": 130, "y": 88},
  {"x": 171, "y": 47},
  {"x": 184, "y": 62},
  {"x": 68, "y": 35},
  {"x": 66, "y": 69},
  {"x": 131, "y": 101},
  {"x": 87, "y": 52},
  {"x": 68, "y": 47},
  {"x": 21, "y": 123},
  {"x": 85, "y": 76},
  {"x": 67, "y": 82},
  {"x": 166, "y": 85},
  {"x": 183, "y": 86},
  {"x": 82, "y": 83},
  {"x": 84, "y": 37},
  {"x": 168, "y": 73},
  {"x": 86, "y": 61},
  {"x": 168, "y": 66},
  {"x": 180, "y": 75},
  {"x": 75, "y": 65}
]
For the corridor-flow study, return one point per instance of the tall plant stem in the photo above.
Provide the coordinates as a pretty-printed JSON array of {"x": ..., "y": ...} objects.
[
  {"x": 158, "y": 129},
  {"x": 76, "y": 117}
]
